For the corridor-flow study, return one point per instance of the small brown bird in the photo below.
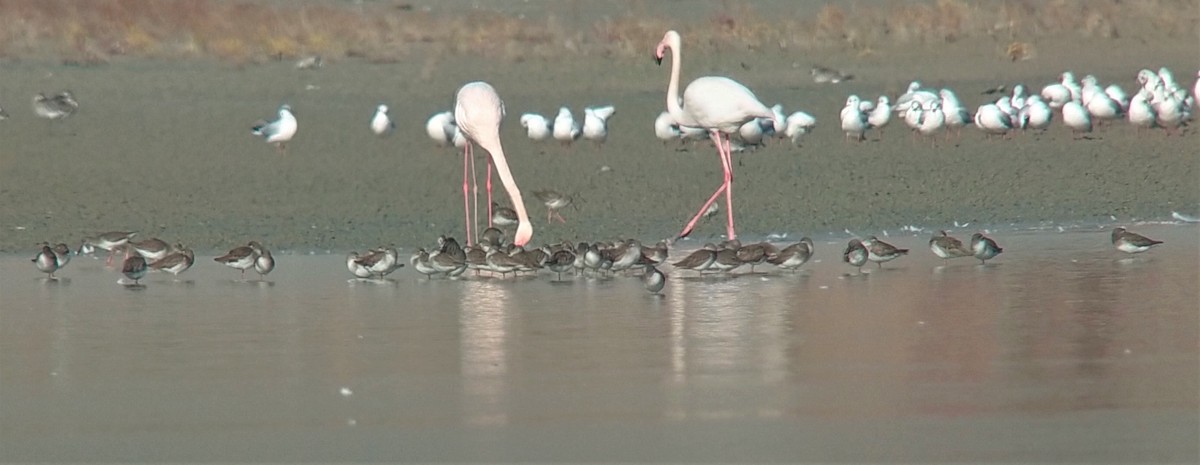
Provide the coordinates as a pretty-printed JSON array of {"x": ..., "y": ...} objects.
[
  {"x": 856, "y": 254},
  {"x": 554, "y": 201},
  {"x": 1130, "y": 242},
  {"x": 177, "y": 262},
  {"x": 879, "y": 251},
  {"x": 134, "y": 268},
  {"x": 242, "y": 258},
  {"x": 794, "y": 256},
  {"x": 653, "y": 280},
  {"x": 946, "y": 247},
  {"x": 984, "y": 248}
]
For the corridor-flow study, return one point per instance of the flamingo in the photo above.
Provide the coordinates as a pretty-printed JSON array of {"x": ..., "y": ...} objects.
[
  {"x": 718, "y": 104},
  {"x": 478, "y": 111}
]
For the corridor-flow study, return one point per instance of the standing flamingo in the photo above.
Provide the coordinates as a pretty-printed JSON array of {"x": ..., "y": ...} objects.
[
  {"x": 478, "y": 111},
  {"x": 717, "y": 104}
]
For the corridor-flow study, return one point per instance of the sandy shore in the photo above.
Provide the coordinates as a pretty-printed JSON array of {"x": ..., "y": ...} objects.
[{"x": 164, "y": 148}]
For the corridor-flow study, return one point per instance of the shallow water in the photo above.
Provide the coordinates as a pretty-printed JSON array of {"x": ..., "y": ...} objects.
[{"x": 1061, "y": 349}]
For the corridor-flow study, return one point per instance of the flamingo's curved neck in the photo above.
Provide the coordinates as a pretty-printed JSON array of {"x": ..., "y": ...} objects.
[
  {"x": 510, "y": 184},
  {"x": 673, "y": 106}
]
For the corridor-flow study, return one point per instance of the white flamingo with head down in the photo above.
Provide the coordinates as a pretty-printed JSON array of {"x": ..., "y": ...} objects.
[
  {"x": 719, "y": 105},
  {"x": 478, "y": 111}
]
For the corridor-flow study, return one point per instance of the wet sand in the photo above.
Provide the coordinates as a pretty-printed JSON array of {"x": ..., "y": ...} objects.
[
  {"x": 164, "y": 148},
  {"x": 1060, "y": 350}
]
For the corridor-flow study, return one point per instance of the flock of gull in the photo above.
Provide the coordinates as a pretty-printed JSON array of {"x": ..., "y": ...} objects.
[{"x": 718, "y": 108}]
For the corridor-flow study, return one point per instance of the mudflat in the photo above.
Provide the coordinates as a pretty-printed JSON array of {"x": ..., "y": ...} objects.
[{"x": 164, "y": 147}]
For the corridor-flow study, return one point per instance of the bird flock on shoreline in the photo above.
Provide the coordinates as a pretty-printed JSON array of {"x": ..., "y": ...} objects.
[
  {"x": 713, "y": 107},
  {"x": 498, "y": 258}
]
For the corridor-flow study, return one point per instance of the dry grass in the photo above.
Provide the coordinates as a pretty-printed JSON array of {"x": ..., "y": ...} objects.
[{"x": 242, "y": 32}]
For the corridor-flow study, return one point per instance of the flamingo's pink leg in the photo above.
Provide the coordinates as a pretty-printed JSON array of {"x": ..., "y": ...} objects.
[
  {"x": 489, "y": 191},
  {"x": 727, "y": 161},
  {"x": 475, "y": 186},
  {"x": 724, "y": 185},
  {"x": 466, "y": 199}
]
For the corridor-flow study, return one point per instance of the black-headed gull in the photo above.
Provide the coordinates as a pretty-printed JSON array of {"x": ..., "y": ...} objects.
[
  {"x": 381, "y": 125},
  {"x": 537, "y": 127},
  {"x": 443, "y": 131},
  {"x": 797, "y": 125},
  {"x": 280, "y": 131},
  {"x": 1036, "y": 114},
  {"x": 881, "y": 115},
  {"x": 595, "y": 123},
  {"x": 566, "y": 129},
  {"x": 854, "y": 121},
  {"x": 1076, "y": 117},
  {"x": 992, "y": 121}
]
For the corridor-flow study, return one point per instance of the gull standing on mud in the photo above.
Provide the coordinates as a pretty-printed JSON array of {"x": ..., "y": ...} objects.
[
  {"x": 280, "y": 131},
  {"x": 566, "y": 130},
  {"x": 717, "y": 104},
  {"x": 381, "y": 125},
  {"x": 478, "y": 111},
  {"x": 595, "y": 123},
  {"x": 441, "y": 128},
  {"x": 854, "y": 121},
  {"x": 537, "y": 127},
  {"x": 797, "y": 125}
]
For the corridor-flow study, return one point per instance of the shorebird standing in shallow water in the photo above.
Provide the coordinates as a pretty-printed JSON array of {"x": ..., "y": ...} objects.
[
  {"x": 653, "y": 280},
  {"x": 381, "y": 125},
  {"x": 134, "y": 268},
  {"x": 46, "y": 261},
  {"x": 855, "y": 254},
  {"x": 554, "y": 201},
  {"x": 946, "y": 247},
  {"x": 241, "y": 258},
  {"x": 984, "y": 248},
  {"x": 794, "y": 256},
  {"x": 699, "y": 260},
  {"x": 280, "y": 131},
  {"x": 264, "y": 262},
  {"x": 176, "y": 262},
  {"x": 1130, "y": 242},
  {"x": 879, "y": 251},
  {"x": 108, "y": 241}
]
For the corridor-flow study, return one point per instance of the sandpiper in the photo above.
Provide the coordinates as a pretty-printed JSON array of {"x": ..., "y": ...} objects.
[
  {"x": 699, "y": 260},
  {"x": 419, "y": 261},
  {"x": 856, "y": 254},
  {"x": 380, "y": 261},
  {"x": 241, "y": 258},
  {"x": 280, "y": 131},
  {"x": 500, "y": 262},
  {"x": 54, "y": 108},
  {"x": 153, "y": 249},
  {"x": 562, "y": 261},
  {"x": 107, "y": 241},
  {"x": 946, "y": 247},
  {"x": 794, "y": 256},
  {"x": 134, "y": 268},
  {"x": 984, "y": 248},
  {"x": 264, "y": 262},
  {"x": 653, "y": 280},
  {"x": 656, "y": 254},
  {"x": 756, "y": 254},
  {"x": 725, "y": 260},
  {"x": 62, "y": 254},
  {"x": 46, "y": 261},
  {"x": 554, "y": 201},
  {"x": 1130, "y": 242},
  {"x": 879, "y": 251},
  {"x": 176, "y": 262},
  {"x": 503, "y": 216}
]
